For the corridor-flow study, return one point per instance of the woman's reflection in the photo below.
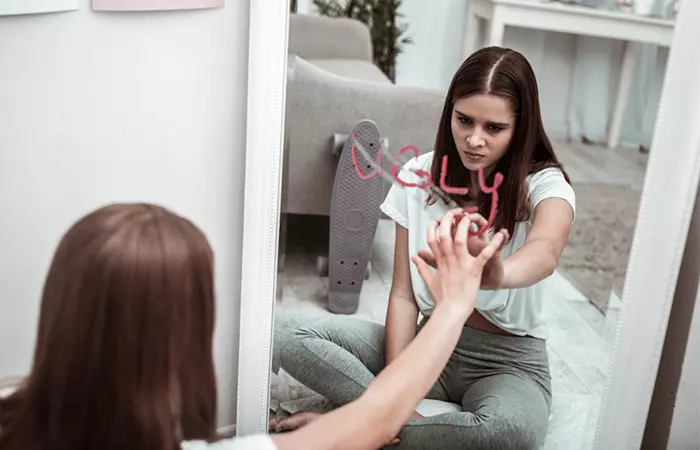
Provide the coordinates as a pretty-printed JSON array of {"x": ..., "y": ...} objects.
[{"x": 498, "y": 373}]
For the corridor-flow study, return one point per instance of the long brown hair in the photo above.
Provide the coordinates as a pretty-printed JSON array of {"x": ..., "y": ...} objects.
[
  {"x": 123, "y": 356},
  {"x": 507, "y": 74}
]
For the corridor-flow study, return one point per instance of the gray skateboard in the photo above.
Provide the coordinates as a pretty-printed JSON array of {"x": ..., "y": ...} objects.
[{"x": 353, "y": 222}]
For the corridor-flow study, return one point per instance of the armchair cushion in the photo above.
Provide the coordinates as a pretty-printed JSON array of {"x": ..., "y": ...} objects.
[
  {"x": 318, "y": 37},
  {"x": 352, "y": 68}
]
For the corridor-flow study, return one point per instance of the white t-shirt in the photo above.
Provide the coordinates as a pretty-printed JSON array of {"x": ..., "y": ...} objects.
[
  {"x": 255, "y": 442},
  {"x": 519, "y": 311}
]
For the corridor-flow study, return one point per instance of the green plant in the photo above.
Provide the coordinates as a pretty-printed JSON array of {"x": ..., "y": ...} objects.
[{"x": 388, "y": 36}]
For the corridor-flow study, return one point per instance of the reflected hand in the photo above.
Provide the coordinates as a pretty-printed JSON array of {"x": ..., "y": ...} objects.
[
  {"x": 459, "y": 273},
  {"x": 302, "y": 418},
  {"x": 493, "y": 274}
]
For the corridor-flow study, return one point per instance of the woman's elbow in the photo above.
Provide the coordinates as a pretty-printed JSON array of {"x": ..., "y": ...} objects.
[
  {"x": 551, "y": 261},
  {"x": 548, "y": 258},
  {"x": 550, "y": 267}
]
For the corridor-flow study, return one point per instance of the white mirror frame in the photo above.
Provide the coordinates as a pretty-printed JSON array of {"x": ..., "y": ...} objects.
[
  {"x": 267, "y": 87},
  {"x": 654, "y": 260}
]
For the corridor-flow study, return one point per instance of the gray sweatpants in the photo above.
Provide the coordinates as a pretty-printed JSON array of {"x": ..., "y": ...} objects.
[{"x": 502, "y": 382}]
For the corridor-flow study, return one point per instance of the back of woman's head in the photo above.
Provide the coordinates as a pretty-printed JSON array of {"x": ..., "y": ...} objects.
[
  {"x": 504, "y": 73},
  {"x": 123, "y": 356}
]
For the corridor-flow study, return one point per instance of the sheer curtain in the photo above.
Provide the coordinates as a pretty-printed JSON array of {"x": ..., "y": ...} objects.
[{"x": 595, "y": 81}]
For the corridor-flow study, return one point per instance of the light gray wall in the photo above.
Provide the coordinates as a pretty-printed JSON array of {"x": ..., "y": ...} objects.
[{"x": 105, "y": 107}]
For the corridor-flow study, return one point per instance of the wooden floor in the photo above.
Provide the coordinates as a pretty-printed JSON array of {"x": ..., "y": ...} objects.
[{"x": 581, "y": 338}]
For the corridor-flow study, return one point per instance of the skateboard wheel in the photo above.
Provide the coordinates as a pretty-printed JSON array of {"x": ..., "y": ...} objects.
[
  {"x": 338, "y": 143},
  {"x": 368, "y": 270},
  {"x": 322, "y": 266}
]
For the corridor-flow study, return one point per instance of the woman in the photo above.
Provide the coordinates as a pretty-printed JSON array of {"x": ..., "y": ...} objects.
[
  {"x": 499, "y": 372},
  {"x": 123, "y": 354}
]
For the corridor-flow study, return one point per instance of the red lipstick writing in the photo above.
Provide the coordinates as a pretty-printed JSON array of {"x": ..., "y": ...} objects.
[{"x": 426, "y": 181}]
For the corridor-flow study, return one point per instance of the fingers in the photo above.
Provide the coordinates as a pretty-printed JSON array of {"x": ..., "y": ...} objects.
[
  {"x": 431, "y": 238},
  {"x": 442, "y": 235},
  {"x": 478, "y": 219},
  {"x": 428, "y": 257},
  {"x": 423, "y": 269},
  {"x": 288, "y": 424},
  {"x": 461, "y": 236},
  {"x": 445, "y": 234},
  {"x": 493, "y": 246},
  {"x": 296, "y": 420},
  {"x": 481, "y": 225},
  {"x": 506, "y": 237}
]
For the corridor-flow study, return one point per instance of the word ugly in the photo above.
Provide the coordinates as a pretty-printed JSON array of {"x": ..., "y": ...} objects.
[{"x": 426, "y": 183}]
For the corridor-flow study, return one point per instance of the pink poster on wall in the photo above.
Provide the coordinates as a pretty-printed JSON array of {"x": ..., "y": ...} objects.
[{"x": 154, "y": 5}]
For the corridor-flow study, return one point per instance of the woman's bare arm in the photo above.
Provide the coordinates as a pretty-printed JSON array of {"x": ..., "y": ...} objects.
[
  {"x": 539, "y": 257},
  {"x": 402, "y": 312}
]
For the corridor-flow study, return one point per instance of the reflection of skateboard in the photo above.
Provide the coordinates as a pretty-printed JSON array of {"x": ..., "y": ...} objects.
[{"x": 353, "y": 222}]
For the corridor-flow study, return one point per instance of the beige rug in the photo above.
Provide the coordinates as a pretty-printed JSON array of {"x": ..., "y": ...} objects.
[{"x": 595, "y": 259}]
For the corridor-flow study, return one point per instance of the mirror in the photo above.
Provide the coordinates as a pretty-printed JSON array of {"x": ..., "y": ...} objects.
[{"x": 540, "y": 348}]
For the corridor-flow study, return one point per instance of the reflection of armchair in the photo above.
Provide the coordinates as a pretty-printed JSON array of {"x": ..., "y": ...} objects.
[{"x": 333, "y": 84}]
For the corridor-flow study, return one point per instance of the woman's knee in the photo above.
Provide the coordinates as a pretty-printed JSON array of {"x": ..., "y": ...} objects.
[
  {"x": 512, "y": 434},
  {"x": 287, "y": 323},
  {"x": 513, "y": 412},
  {"x": 293, "y": 328},
  {"x": 477, "y": 431},
  {"x": 518, "y": 423},
  {"x": 500, "y": 433},
  {"x": 295, "y": 333},
  {"x": 287, "y": 326}
]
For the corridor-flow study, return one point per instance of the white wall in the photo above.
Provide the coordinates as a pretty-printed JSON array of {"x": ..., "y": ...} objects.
[{"x": 97, "y": 108}]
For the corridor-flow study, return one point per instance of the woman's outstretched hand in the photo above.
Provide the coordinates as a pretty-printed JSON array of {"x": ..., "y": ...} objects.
[
  {"x": 493, "y": 275},
  {"x": 459, "y": 272}
]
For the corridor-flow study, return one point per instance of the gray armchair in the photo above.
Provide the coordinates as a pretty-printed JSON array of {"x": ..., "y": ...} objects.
[{"x": 333, "y": 84}]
